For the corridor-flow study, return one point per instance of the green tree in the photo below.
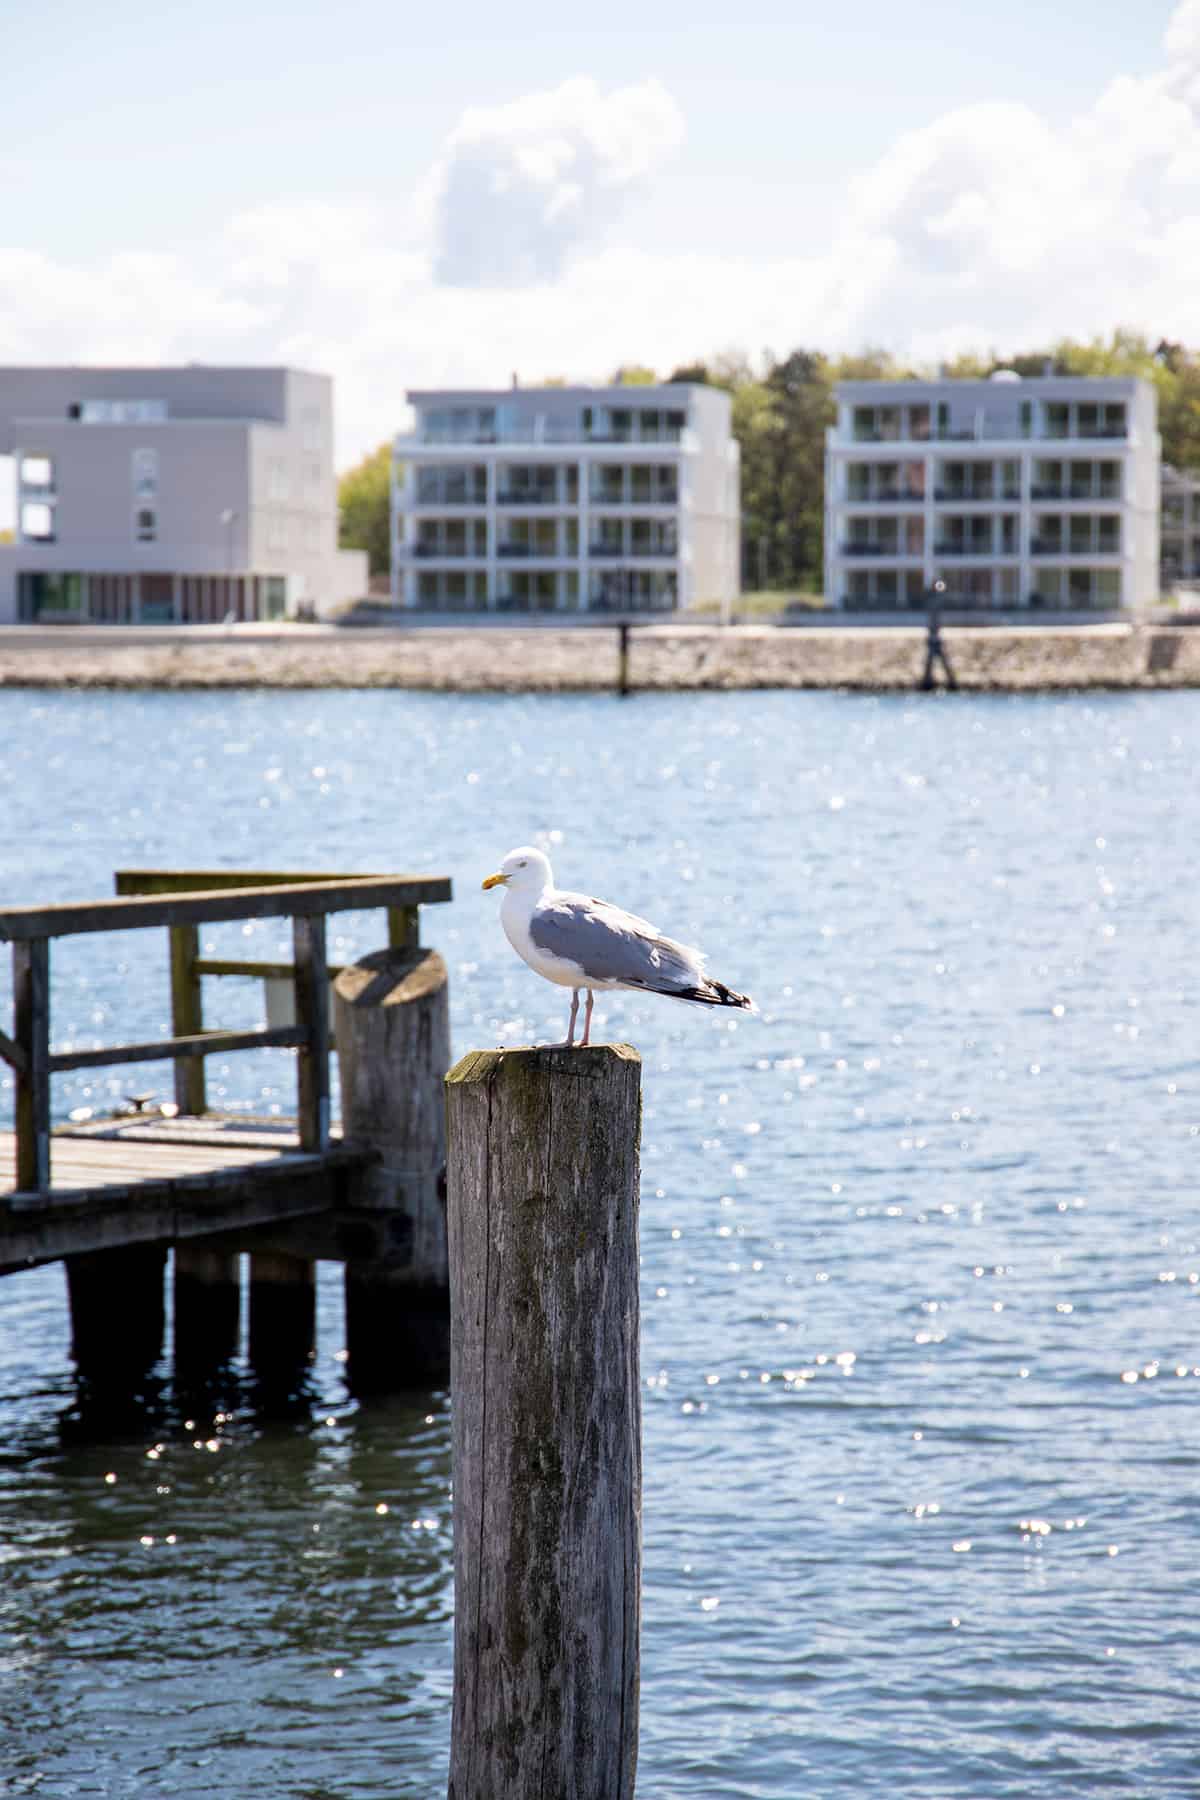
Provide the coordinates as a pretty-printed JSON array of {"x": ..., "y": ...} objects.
[
  {"x": 634, "y": 375},
  {"x": 364, "y": 509}
]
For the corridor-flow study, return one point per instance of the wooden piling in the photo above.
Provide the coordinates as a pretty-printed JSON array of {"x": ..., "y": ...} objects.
[
  {"x": 393, "y": 1041},
  {"x": 207, "y": 1292},
  {"x": 118, "y": 1312},
  {"x": 542, "y": 1182},
  {"x": 283, "y": 1316}
]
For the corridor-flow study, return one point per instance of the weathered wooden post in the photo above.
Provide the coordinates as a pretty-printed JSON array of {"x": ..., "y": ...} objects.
[
  {"x": 118, "y": 1312},
  {"x": 208, "y": 1300},
  {"x": 283, "y": 1316},
  {"x": 542, "y": 1181},
  {"x": 393, "y": 1041}
]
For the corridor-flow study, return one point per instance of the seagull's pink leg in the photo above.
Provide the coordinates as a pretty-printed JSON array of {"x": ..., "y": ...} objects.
[
  {"x": 574, "y": 1015},
  {"x": 587, "y": 1018}
]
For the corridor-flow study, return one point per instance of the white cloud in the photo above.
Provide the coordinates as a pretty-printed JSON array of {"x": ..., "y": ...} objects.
[
  {"x": 522, "y": 186},
  {"x": 988, "y": 227}
]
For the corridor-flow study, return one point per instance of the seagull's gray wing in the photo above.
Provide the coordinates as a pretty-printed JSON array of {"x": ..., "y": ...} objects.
[{"x": 610, "y": 944}]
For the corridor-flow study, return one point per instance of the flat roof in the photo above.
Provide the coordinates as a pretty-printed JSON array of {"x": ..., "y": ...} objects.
[
  {"x": 498, "y": 395},
  {"x": 1034, "y": 387}
]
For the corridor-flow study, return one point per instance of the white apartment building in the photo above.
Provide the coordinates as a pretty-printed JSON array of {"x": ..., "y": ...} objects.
[
  {"x": 566, "y": 499},
  {"x": 1016, "y": 494},
  {"x": 1180, "y": 527},
  {"x": 170, "y": 495}
]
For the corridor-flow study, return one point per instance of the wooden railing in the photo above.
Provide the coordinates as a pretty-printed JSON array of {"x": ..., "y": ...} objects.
[{"x": 182, "y": 901}]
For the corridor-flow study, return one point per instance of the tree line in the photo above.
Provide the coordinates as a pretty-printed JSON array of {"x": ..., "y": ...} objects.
[{"x": 781, "y": 407}]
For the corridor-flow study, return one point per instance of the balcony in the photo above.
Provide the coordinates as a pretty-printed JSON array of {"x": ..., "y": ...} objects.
[
  {"x": 1075, "y": 491},
  {"x": 439, "y": 500},
  {"x": 1056, "y": 547},
  {"x": 529, "y": 497},
  {"x": 889, "y": 499},
  {"x": 897, "y": 552},
  {"x": 533, "y": 552},
  {"x": 950, "y": 496},
  {"x": 955, "y": 548},
  {"x": 446, "y": 552}
]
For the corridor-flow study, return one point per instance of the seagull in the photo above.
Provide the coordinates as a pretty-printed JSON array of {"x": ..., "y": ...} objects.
[{"x": 578, "y": 942}]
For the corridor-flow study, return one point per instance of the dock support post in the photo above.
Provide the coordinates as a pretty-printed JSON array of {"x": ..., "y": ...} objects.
[
  {"x": 393, "y": 1042},
  {"x": 542, "y": 1182},
  {"x": 31, "y": 1031},
  {"x": 283, "y": 1317},
  {"x": 117, "y": 1312},
  {"x": 207, "y": 1308}
]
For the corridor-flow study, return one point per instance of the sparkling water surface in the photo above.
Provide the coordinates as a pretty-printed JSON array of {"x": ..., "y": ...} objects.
[{"x": 921, "y": 1254}]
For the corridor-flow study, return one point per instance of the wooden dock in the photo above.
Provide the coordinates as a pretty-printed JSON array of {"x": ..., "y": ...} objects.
[
  {"x": 111, "y": 1197},
  {"x": 147, "y": 1179}
]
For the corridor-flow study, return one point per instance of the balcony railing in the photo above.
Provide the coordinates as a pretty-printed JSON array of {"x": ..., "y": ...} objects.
[
  {"x": 893, "y": 550},
  {"x": 448, "y": 550},
  {"x": 529, "y": 497},
  {"x": 532, "y": 551},
  {"x": 479, "y": 499},
  {"x": 954, "y": 548},
  {"x": 909, "y": 499},
  {"x": 1056, "y": 547},
  {"x": 1074, "y": 491},
  {"x": 970, "y": 496}
]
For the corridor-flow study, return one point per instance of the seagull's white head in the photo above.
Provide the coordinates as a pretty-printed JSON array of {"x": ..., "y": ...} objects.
[{"x": 525, "y": 871}]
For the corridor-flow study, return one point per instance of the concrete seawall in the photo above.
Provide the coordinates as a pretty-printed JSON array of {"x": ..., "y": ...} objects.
[{"x": 547, "y": 659}]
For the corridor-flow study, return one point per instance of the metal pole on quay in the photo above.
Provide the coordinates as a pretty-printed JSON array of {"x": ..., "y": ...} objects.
[{"x": 542, "y": 1188}]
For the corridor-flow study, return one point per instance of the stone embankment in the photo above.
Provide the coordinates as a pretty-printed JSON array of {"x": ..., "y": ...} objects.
[{"x": 662, "y": 657}]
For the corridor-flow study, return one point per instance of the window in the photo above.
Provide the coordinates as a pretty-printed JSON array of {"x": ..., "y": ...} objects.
[
  {"x": 122, "y": 412},
  {"x": 277, "y": 479},
  {"x": 145, "y": 525},
  {"x": 37, "y": 473},
  {"x": 277, "y": 532},
  {"x": 37, "y": 521},
  {"x": 145, "y": 474}
]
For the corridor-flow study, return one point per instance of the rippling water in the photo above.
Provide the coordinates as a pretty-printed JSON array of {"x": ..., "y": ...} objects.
[{"x": 921, "y": 1258}]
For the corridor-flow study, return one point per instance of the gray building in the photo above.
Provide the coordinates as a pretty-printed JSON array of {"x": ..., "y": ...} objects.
[
  {"x": 566, "y": 499},
  {"x": 1180, "y": 528},
  {"x": 171, "y": 494},
  {"x": 1016, "y": 494}
]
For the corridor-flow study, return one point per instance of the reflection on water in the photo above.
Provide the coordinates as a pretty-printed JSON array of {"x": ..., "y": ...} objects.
[{"x": 920, "y": 1252}]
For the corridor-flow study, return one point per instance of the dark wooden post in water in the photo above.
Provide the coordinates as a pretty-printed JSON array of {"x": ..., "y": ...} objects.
[
  {"x": 283, "y": 1316},
  {"x": 31, "y": 1041},
  {"x": 543, "y": 1194},
  {"x": 207, "y": 1306},
  {"x": 118, "y": 1312},
  {"x": 393, "y": 1041}
]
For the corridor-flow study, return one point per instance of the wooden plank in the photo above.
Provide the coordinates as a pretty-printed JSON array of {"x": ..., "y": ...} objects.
[
  {"x": 262, "y": 971},
  {"x": 312, "y": 1016},
  {"x": 305, "y": 900},
  {"x": 187, "y": 1015},
  {"x": 197, "y": 881},
  {"x": 31, "y": 1024},
  {"x": 208, "y": 1043},
  {"x": 51, "y": 1227}
]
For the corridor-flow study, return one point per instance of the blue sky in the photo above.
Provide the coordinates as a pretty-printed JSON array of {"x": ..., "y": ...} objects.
[{"x": 410, "y": 195}]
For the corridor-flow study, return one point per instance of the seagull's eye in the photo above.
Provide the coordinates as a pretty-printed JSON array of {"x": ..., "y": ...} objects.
[{"x": 522, "y": 864}]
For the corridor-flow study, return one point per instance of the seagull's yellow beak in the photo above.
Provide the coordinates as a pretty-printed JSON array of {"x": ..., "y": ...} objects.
[{"x": 499, "y": 879}]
